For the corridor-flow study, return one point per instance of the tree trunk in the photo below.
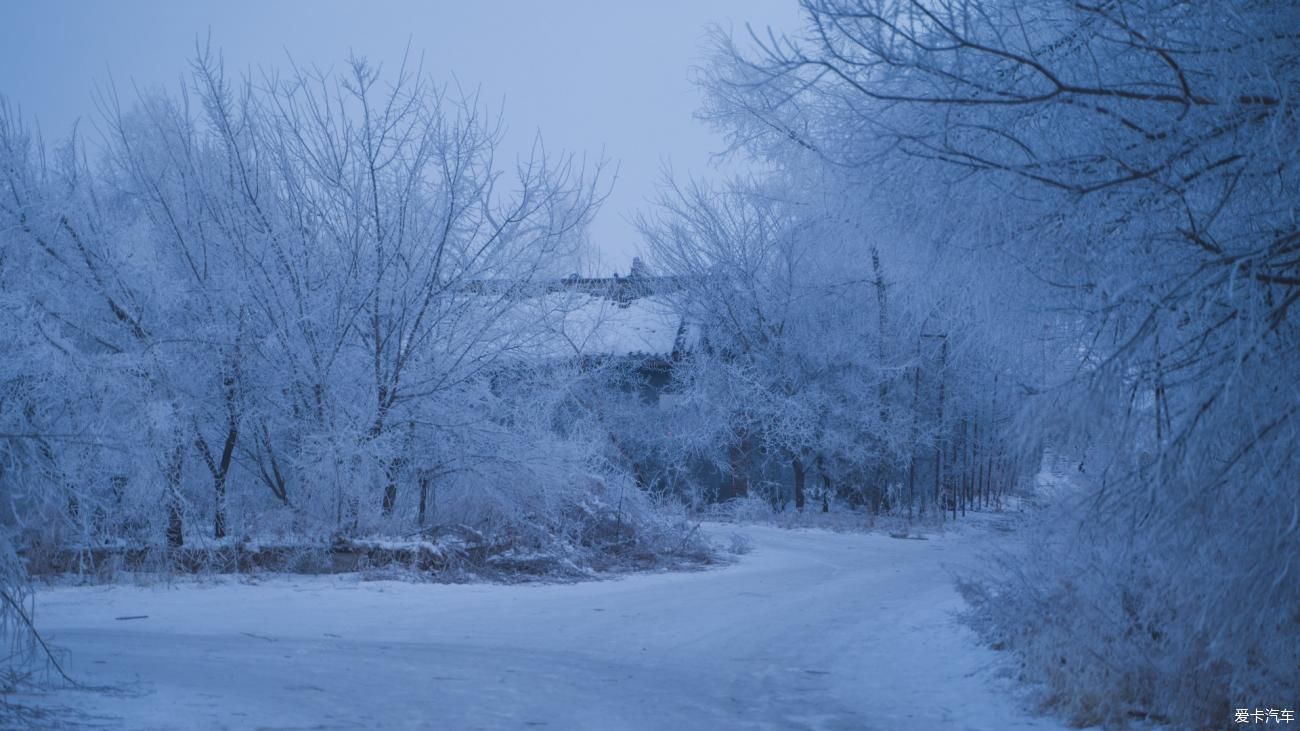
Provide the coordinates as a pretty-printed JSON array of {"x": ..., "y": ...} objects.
[
  {"x": 425, "y": 481},
  {"x": 977, "y": 464},
  {"x": 881, "y": 474},
  {"x": 219, "y": 468},
  {"x": 965, "y": 484},
  {"x": 738, "y": 459},
  {"x": 882, "y": 329},
  {"x": 268, "y": 467},
  {"x": 799, "y": 476},
  {"x": 392, "y": 468},
  {"x": 916, "y": 400},
  {"x": 952, "y": 486},
  {"x": 390, "y": 497},
  {"x": 219, "y": 515},
  {"x": 938, "y": 439},
  {"x": 227, "y": 453},
  {"x": 175, "y": 515}
]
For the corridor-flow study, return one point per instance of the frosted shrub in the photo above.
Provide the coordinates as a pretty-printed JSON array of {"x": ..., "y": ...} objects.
[{"x": 1115, "y": 627}]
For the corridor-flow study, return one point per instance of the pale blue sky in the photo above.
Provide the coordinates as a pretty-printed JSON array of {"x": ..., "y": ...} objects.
[{"x": 591, "y": 76}]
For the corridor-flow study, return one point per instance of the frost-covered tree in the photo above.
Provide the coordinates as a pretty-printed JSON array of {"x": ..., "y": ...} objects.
[
  {"x": 300, "y": 308},
  {"x": 769, "y": 343},
  {"x": 1123, "y": 176},
  {"x": 817, "y": 347}
]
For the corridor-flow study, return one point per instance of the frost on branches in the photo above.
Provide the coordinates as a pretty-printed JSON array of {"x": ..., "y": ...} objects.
[
  {"x": 1104, "y": 197},
  {"x": 298, "y": 312}
]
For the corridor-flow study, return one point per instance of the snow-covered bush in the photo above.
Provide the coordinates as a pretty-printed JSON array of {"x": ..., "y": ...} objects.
[{"x": 1108, "y": 624}]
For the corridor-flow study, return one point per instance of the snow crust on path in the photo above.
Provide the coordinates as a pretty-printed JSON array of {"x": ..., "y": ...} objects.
[{"x": 811, "y": 630}]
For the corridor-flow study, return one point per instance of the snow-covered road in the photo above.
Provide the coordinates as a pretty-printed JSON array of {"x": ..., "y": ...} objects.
[{"x": 811, "y": 630}]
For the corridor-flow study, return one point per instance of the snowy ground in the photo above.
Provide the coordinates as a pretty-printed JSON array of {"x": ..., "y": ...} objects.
[{"x": 812, "y": 630}]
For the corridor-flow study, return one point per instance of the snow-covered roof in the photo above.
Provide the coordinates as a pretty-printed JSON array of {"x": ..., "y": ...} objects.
[
  {"x": 594, "y": 318},
  {"x": 591, "y": 325}
]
